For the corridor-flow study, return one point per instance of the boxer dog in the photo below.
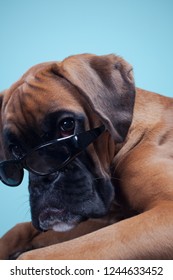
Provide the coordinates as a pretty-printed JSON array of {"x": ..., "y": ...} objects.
[{"x": 99, "y": 156}]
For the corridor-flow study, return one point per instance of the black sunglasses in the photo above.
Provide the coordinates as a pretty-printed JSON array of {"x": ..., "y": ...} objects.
[{"x": 47, "y": 158}]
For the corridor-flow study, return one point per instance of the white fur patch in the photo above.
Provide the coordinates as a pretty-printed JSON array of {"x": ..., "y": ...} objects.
[{"x": 61, "y": 227}]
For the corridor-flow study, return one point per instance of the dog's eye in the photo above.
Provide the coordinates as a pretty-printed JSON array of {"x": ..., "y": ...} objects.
[
  {"x": 67, "y": 126},
  {"x": 16, "y": 151}
]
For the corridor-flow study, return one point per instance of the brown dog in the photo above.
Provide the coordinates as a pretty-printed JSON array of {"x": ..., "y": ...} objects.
[{"x": 125, "y": 174}]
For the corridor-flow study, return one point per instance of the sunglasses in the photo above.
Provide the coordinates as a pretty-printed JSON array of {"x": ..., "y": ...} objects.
[{"x": 47, "y": 158}]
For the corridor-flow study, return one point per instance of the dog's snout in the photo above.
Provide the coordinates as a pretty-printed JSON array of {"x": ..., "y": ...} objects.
[
  {"x": 46, "y": 179},
  {"x": 50, "y": 178}
]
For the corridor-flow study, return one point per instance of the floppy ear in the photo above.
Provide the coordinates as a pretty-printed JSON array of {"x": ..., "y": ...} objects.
[{"x": 108, "y": 86}]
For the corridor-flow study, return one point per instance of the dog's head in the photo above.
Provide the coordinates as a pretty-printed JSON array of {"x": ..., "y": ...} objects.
[{"x": 55, "y": 101}]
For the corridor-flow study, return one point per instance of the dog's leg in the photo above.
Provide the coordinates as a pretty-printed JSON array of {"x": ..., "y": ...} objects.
[
  {"x": 24, "y": 237},
  {"x": 17, "y": 240},
  {"x": 146, "y": 236}
]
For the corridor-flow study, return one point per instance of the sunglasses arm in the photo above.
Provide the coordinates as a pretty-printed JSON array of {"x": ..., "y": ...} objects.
[{"x": 86, "y": 139}]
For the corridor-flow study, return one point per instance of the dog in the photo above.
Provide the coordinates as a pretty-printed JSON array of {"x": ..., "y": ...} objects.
[{"x": 108, "y": 196}]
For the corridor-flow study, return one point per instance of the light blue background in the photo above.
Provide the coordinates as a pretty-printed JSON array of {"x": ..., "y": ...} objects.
[{"x": 41, "y": 30}]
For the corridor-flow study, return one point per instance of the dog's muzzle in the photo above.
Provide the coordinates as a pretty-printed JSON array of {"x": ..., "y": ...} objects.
[{"x": 62, "y": 200}]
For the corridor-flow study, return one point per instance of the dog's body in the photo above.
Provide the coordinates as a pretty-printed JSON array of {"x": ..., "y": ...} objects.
[{"x": 120, "y": 189}]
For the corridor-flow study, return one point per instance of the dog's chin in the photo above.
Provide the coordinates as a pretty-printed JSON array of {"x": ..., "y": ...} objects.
[
  {"x": 57, "y": 220},
  {"x": 62, "y": 227},
  {"x": 57, "y": 226}
]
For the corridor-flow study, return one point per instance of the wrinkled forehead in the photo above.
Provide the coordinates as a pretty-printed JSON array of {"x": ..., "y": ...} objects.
[{"x": 35, "y": 96}]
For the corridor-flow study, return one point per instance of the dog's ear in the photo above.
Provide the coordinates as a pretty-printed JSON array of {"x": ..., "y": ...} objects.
[{"x": 107, "y": 84}]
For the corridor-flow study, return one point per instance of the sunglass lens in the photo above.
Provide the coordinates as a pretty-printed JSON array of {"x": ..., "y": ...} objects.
[
  {"x": 48, "y": 159},
  {"x": 10, "y": 173}
]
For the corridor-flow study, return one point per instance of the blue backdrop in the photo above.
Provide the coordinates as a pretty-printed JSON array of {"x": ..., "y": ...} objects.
[{"x": 41, "y": 30}]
